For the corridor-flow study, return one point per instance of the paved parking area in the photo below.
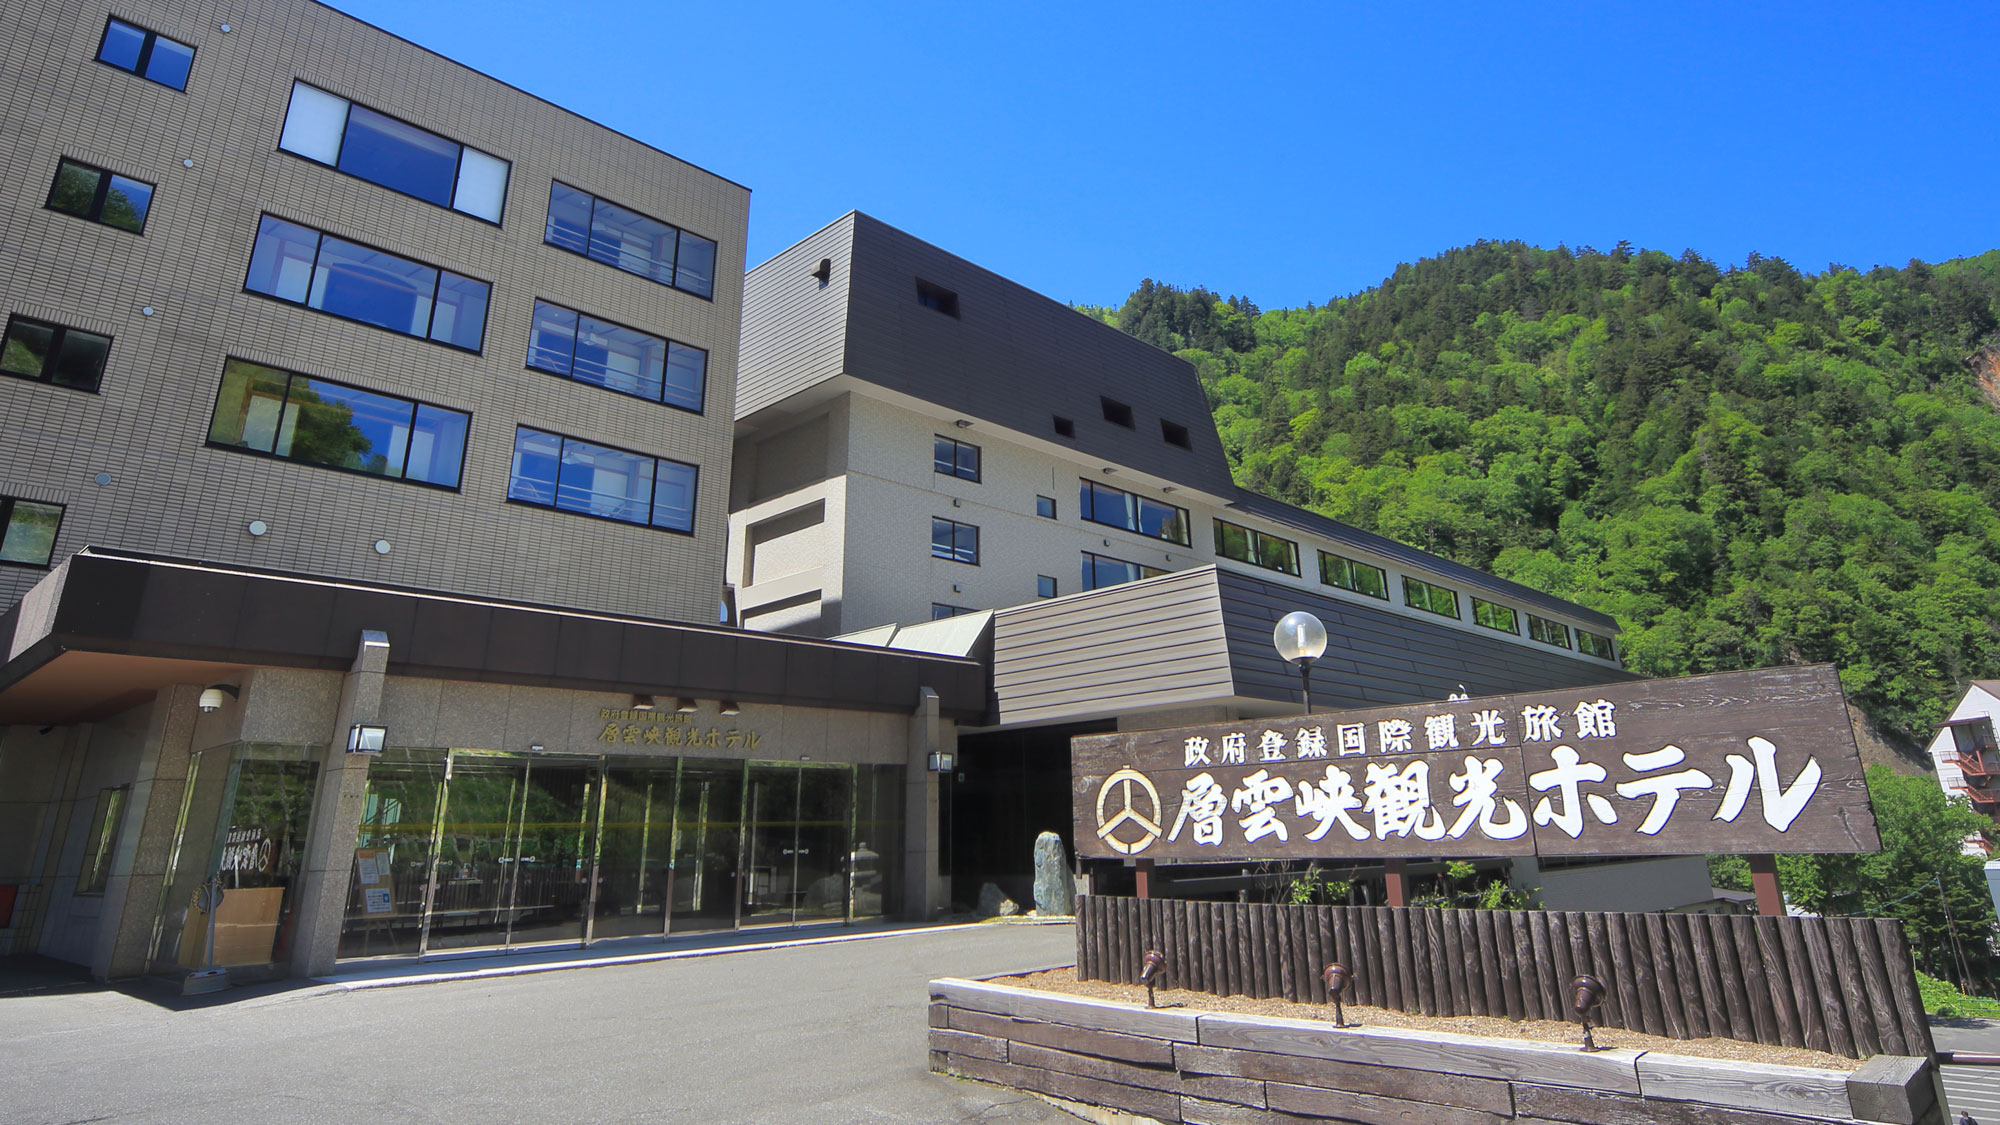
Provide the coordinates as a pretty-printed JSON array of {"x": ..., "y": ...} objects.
[
  {"x": 1975, "y": 1089},
  {"x": 825, "y": 1034}
]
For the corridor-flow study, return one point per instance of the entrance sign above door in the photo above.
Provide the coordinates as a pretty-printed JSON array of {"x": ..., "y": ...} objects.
[{"x": 1734, "y": 762}]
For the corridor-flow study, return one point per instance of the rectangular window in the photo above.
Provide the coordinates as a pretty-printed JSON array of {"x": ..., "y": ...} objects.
[
  {"x": 1418, "y": 594},
  {"x": 1351, "y": 575},
  {"x": 1246, "y": 544},
  {"x": 1064, "y": 426},
  {"x": 1117, "y": 508},
  {"x": 1045, "y": 507},
  {"x": 955, "y": 458},
  {"x": 937, "y": 297},
  {"x": 584, "y": 224},
  {"x": 102, "y": 843},
  {"x": 1173, "y": 433},
  {"x": 1496, "y": 617},
  {"x": 1100, "y": 571},
  {"x": 1548, "y": 632},
  {"x": 299, "y": 418},
  {"x": 956, "y": 541},
  {"x": 30, "y": 536},
  {"x": 1116, "y": 413},
  {"x": 552, "y": 471},
  {"x": 940, "y": 611},
  {"x": 1597, "y": 646},
  {"x": 302, "y": 266},
  {"x": 1045, "y": 586},
  {"x": 51, "y": 353},
  {"x": 89, "y": 192},
  {"x": 148, "y": 54},
  {"x": 569, "y": 343},
  {"x": 328, "y": 129}
]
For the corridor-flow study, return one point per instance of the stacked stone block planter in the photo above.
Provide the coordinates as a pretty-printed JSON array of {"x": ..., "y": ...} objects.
[{"x": 1184, "y": 1065}]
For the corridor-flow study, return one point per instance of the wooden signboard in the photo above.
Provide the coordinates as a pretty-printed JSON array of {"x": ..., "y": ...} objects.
[{"x": 1730, "y": 763}]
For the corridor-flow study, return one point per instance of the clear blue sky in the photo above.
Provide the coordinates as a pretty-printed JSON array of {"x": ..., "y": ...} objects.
[{"x": 1291, "y": 153}]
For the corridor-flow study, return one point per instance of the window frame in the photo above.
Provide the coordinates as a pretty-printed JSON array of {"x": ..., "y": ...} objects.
[
  {"x": 1326, "y": 557},
  {"x": 96, "y": 213},
  {"x": 209, "y": 442},
  {"x": 1601, "y": 638},
  {"x": 348, "y": 122},
  {"x": 978, "y": 458},
  {"x": 1087, "y": 512},
  {"x": 1564, "y": 643},
  {"x": 937, "y": 298},
  {"x": 7, "y": 504},
  {"x": 714, "y": 279},
  {"x": 1090, "y": 556},
  {"x": 486, "y": 314},
  {"x": 667, "y": 342},
  {"x": 952, "y": 554},
  {"x": 1049, "y": 582},
  {"x": 951, "y": 611},
  {"x": 146, "y": 53},
  {"x": 1513, "y": 616},
  {"x": 1253, "y": 536},
  {"x": 1048, "y": 502},
  {"x": 61, "y": 333},
  {"x": 1410, "y": 585},
  {"x": 552, "y": 506}
]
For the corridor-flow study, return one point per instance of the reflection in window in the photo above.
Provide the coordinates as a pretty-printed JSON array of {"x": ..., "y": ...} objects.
[
  {"x": 1418, "y": 594},
  {"x": 566, "y": 342},
  {"x": 147, "y": 54},
  {"x": 956, "y": 541},
  {"x": 1118, "y": 508},
  {"x": 346, "y": 279},
  {"x": 298, "y": 418},
  {"x": 1548, "y": 632},
  {"x": 100, "y": 196},
  {"x": 1348, "y": 574},
  {"x": 329, "y": 129},
  {"x": 102, "y": 843},
  {"x": 954, "y": 458},
  {"x": 1597, "y": 646},
  {"x": 1045, "y": 507},
  {"x": 584, "y": 224},
  {"x": 1100, "y": 571},
  {"x": 1497, "y": 617},
  {"x": 1247, "y": 544},
  {"x": 940, "y": 611},
  {"x": 51, "y": 353},
  {"x": 1045, "y": 586},
  {"x": 30, "y": 535},
  {"x": 553, "y": 471}
]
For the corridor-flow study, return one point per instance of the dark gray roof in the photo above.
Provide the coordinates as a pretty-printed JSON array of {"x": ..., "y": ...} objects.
[{"x": 1404, "y": 555}]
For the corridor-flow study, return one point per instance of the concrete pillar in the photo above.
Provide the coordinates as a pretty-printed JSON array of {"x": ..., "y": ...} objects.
[
  {"x": 925, "y": 889},
  {"x": 336, "y": 815},
  {"x": 128, "y": 930}
]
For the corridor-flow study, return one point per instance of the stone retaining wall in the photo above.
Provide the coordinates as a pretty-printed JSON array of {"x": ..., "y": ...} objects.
[{"x": 1182, "y": 1065}]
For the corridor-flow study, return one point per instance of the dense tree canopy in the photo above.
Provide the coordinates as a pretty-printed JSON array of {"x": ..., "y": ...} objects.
[{"x": 1747, "y": 467}]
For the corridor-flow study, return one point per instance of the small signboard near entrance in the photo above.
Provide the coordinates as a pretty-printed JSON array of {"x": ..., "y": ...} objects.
[{"x": 1736, "y": 762}]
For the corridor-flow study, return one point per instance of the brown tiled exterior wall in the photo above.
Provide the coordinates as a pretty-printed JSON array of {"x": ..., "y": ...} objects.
[{"x": 146, "y": 428}]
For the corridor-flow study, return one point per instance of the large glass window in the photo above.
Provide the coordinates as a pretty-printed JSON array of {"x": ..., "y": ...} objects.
[
  {"x": 1418, "y": 594},
  {"x": 303, "y": 266},
  {"x": 1597, "y": 646},
  {"x": 147, "y": 54},
  {"x": 553, "y": 471},
  {"x": 584, "y": 224},
  {"x": 30, "y": 535},
  {"x": 954, "y": 458},
  {"x": 940, "y": 611},
  {"x": 299, "y": 418},
  {"x": 89, "y": 192},
  {"x": 566, "y": 342},
  {"x": 329, "y": 129},
  {"x": 1351, "y": 575},
  {"x": 956, "y": 541},
  {"x": 51, "y": 353},
  {"x": 1496, "y": 617},
  {"x": 105, "y": 822},
  {"x": 1100, "y": 571},
  {"x": 1548, "y": 632},
  {"x": 1247, "y": 544},
  {"x": 1118, "y": 508}
]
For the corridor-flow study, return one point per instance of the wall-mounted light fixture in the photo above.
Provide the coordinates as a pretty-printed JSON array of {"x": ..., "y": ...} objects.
[
  {"x": 963, "y": 423},
  {"x": 363, "y": 738},
  {"x": 731, "y": 707},
  {"x": 212, "y": 697},
  {"x": 941, "y": 761},
  {"x": 686, "y": 706},
  {"x": 642, "y": 703}
]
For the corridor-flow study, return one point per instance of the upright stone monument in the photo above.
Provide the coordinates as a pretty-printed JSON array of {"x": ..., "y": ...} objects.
[{"x": 1055, "y": 887}]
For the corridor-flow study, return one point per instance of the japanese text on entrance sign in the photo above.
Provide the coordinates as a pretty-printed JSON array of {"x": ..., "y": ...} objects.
[{"x": 1761, "y": 761}]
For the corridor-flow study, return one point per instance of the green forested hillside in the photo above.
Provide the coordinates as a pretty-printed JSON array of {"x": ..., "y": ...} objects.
[{"x": 1747, "y": 467}]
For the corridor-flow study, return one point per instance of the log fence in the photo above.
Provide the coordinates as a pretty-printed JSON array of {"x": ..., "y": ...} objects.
[{"x": 1842, "y": 985}]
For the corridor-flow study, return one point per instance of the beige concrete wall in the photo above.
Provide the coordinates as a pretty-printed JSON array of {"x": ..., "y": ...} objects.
[{"x": 146, "y": 429}]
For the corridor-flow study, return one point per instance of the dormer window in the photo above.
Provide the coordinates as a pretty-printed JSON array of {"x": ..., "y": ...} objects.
[
  {"x": 1175, "y": 434},
  {"x": 1117, "y": 413}
]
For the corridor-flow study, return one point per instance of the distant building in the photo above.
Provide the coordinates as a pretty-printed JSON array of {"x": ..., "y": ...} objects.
[{"x": 1964, "y": 756}]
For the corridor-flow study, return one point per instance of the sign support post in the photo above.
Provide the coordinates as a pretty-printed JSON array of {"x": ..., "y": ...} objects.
[
  {"x": 1395, "y": 877},
  {"x": 1764, "y": 879},
  {"x": 1142, "y": 873}
]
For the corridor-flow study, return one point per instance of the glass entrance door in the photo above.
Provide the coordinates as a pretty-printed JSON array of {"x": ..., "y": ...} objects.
[
  {"x": 707, "y": 837},
  {"x": 635, "y": 857},
  {"x": 799, "y": 859},
  {"x": 516, "y": 845}
]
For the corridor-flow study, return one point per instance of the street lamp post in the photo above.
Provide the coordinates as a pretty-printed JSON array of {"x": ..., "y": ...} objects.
[{"x": 1301, "y": 639}]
